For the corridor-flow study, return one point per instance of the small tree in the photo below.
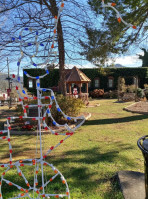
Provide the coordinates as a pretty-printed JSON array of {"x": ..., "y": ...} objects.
[
  {"x": 144, "y": 58},
  {"x": 122, "y": 86}
]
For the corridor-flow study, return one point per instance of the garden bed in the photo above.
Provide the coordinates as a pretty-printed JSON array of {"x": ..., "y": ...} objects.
[
  {"x": 18, "y": 127},
  {"x": 138, "y": 107}
]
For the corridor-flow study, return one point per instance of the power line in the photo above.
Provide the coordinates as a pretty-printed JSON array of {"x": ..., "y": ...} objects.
[{"x": 3, "y": 69}]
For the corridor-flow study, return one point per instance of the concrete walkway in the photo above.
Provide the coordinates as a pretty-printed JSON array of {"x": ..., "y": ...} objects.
[{"x": 132, "y": 184}]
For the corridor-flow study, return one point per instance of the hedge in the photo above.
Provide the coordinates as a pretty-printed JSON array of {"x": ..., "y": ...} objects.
[
  {"x": 53, "y": 78},
  {"x": 49, "y": 80}
]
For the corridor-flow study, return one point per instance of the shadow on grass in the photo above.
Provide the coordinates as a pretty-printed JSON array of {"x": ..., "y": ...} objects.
[
  {"x": 116, "y": 120},
  {"x": 84, "y": 174},
  {"x": 7, "y": 113},
  {"x": 82, "y": 169},
  {"x": 94, "y": 155},
  {"x": 115, "y": 191},
  {"x": 4, "y": 114},
  {"x": 18, "y": 148}
]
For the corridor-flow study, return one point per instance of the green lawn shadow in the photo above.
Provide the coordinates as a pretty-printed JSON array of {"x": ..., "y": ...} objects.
[
  {"x": 77, "y": 171},
  {"x": 116, "y": 120}
]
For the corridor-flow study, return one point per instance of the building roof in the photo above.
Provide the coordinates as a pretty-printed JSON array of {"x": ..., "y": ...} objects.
[{"x": 77, "y": 76}]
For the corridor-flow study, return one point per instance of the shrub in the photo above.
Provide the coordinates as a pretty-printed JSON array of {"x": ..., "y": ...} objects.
[
  {"x": 19, "y": 109},
  {"x": 113, "y": 94},
  {"x": 140, "y": 93},
  {"x": 96, "y": 93},
  {"x": 146, "y": 86},
  {"x": 146, "y": 94},
  {"x": 130, "y": 89},
  {"x": 106, "y": 95},
  {"x": 110, "y": 94},
  {"x": 28, "y": 127},
  {"x": 70, "y": 106}
]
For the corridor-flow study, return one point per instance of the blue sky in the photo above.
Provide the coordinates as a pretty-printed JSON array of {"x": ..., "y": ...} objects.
[{"x": 128, "y": 60}]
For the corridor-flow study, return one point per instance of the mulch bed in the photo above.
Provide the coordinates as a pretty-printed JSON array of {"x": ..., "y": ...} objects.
[
  {"x": 16, "y": 127},
  {"x": 138, "y": 107}
]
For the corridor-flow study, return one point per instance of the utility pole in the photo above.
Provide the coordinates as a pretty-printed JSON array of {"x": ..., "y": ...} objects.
[
  {"x": 8, "y": 72},
  {"x": 9, "y": 82}
]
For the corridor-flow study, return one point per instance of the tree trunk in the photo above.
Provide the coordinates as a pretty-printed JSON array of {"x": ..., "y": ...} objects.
[
  {"x": 54, "y": 11},
  {"x": 61, "y": 58}
]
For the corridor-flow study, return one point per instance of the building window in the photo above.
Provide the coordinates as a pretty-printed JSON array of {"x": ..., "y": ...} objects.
[
  {"x": 30, "y": 83},
  {"x": 97, "y": 83},
  {"x": 110, "y": 82},
  {"x": 135, "y": 80},
  {"x": 72, "y": 85}
]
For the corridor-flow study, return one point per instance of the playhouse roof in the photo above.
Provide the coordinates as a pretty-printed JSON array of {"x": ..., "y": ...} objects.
[{"x": 77, "y": 76}]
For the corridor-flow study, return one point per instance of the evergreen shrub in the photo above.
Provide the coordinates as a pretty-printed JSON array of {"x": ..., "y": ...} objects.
[
  {"x": 146, "y": 93},
  {"x": 140, "y": 93},
  {"x": 70, "y": 106}
]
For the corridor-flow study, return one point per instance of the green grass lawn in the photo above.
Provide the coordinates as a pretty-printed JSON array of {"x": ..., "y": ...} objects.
[{"x": 90, "y": 159}]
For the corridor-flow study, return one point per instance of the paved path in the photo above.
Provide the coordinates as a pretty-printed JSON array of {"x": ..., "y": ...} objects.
[{"x": 132, "y": 184}]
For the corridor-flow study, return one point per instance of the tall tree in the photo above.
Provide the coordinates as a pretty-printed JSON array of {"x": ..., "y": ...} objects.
[
  {"x": 108, "y": 37},
  {"x": 39, "y": 14},
  {"x": 144, "y": 58}
]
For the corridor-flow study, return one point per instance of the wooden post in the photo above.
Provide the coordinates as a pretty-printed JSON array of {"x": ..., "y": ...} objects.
[
  {"x": 136, "y": 87},
  {"x": 87, "y": 89},
  {"x": 69, "y": 89},
  {"x": 80, "y": 89},
  {"x": 118, "y": 89}
]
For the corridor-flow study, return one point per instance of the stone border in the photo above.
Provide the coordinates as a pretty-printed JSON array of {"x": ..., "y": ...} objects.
[
  {"x": 91, "y": 106},
  {"x": 88, "y": 116},
  {"x": 132, "y": 184}
]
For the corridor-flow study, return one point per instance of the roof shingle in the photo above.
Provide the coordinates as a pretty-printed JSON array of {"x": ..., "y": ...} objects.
[{"x": 77, "y": 76}]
